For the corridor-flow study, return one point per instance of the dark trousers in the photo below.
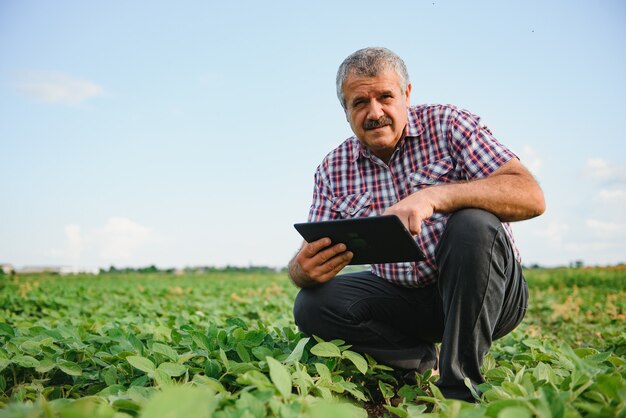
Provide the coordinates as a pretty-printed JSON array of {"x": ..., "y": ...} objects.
[{"x": 480, "y": 295}]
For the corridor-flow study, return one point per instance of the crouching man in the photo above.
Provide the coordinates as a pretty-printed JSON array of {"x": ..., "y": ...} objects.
[{"x": 455, "y": 187}]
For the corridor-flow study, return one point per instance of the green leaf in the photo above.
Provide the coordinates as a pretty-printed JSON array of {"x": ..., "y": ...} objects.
[
  {"x": 31, "y": 346},
  {"x": 45, "y": 365},
  {"x": 110, "y": 376},
  {"x": 127, "y": 405},
  {"x": 410, "y": 392},
  {"x": 436, "y": 392},
  {"x": 396, "y": 411},
  {"x": 416, "y": 410},
  {"x": 224, "y": 359},
  {"x": 236, "y": 322},
  {"x": 553, "y": 400},
  {"x": 302, "y": 380},
  {"x": 136, "y": 343},
  {"x": 543, "y": 372},
  {"x": 534, "y": 343},
  {"x": 4, "y": 363},
  {"x": 326, "y": 349},
  {"x": 324, "y": 408},
  {"x": 183, "y": 358},
  {"x": 162, "y": 379},
  {"x": 386, "y": 390},
  {"x": 254, "y": 338},
  {"x": 261, "y": 352},
  {"x": 494, "y": 408},
  {"x": 111, "y": 390},
  {"x": 201, "y": 340},
  {"x": 470, "y": 386},
  {"x": 297, "y": 352},
  {"x": 92, "y": 407},
  {"x": 352, "y": 389},
  {"x": 254, "y": 378},
  {"x": 515, "y": 412},
  {"x": 141, "y": 381},
  {"x": 209, "y": 382},
  {"x": 242, "y": 352},
  {"x": 69, "y": 367},
  {"x": 324, "y": 372},
  {"x": 165, "y": 350},
  {"x": 212, "y": 368},
  {"x": 172, "y": 369},
  {"x": 357, "y": 359},
  {"x": 280, "y": 376},
  {"x": 141, "y": 363},
  {"x": 239, "y": 368},
  {"x": 181, "y": 401},
  {"x": 6, "y": 329},
  {"x": 499, "y": 374},
  {"x": 25, "y": 361}
]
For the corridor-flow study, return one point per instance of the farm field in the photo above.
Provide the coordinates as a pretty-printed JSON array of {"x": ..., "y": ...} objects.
[{"x": 225, "y": 345}]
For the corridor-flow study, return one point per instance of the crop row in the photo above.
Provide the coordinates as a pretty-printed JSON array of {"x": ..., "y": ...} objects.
[{"x": 226, "y": 346}]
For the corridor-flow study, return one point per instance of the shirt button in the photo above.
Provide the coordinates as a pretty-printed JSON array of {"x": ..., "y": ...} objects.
[{"x": 351, "y": 211}]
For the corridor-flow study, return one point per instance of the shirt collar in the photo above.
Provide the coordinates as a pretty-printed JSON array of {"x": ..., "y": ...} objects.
[
  {"x": 413, "y": 128},
  {"x": 359, "y": 149}
]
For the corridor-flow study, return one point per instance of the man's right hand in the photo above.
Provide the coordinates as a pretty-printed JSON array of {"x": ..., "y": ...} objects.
[{"x": 317, "y": 263}]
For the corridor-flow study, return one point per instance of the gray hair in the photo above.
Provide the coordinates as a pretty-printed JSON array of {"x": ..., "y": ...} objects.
[{"x": 370, "y": 62}]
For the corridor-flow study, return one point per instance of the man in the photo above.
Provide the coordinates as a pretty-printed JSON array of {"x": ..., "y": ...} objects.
[{"x": 455, "y": 187}]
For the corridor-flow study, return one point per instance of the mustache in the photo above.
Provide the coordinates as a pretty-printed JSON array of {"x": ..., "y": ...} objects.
[{"x": 378, "y": 123}]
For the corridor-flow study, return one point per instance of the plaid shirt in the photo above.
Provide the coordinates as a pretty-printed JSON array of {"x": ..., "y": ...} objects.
[{"x": 441, "y": 144}]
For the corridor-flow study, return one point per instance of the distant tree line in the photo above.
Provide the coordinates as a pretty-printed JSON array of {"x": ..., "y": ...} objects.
[{"x": 193, "y": 270}]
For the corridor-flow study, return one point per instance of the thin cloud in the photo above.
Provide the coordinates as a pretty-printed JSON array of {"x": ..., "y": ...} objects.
[
  {"x": 58, "y": 88},
  {"x": 606, "y": 229},
  {"x": 612, "y": 196},
  {"x": 604, "y": 171},
  {"x": 118, "y": 240},
  {"x": 554, "y": 232},
  {"x": 586, "y": 247},
  {"x": 75, "y": 245},
  {"x": 121, "y": 238}
]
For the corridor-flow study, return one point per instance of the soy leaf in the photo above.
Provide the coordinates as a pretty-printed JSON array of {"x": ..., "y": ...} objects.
[
  {"x": 44, "y": 366},
  {"x": 242, "y": 352},
  {"x": 181, "y": 401},
  {"x": 172, "y": 369},
  {"x": 236, "y": 322},
  {"x": 357, "y": 359},
  {"x": 326, "y": 349},
  {"x": 6, "y": 329},
  {"x": 297, "y": 352},
  {"x": 166, "y": 350},
  {"x": 161, "y": 378},
  {"x": 141, "y": 363},
  {"x": 69, "y": 367},
  {"x": 25, "y": 361},
  {"x": 515, "y": 412},
  {"x": 280, "y": 376}
]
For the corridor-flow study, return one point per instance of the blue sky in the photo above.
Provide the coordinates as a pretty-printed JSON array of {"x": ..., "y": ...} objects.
[{"x": 187, "y": 133}]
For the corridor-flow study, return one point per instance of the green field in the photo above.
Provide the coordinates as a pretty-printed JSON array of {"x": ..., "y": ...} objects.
[{"x": 225, "y": 345}]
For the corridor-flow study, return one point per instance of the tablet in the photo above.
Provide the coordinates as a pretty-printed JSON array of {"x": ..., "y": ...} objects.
[{"x": 372, "y": 240}]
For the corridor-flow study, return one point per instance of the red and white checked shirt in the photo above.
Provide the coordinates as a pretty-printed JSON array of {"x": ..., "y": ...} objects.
[{"x": 441, "y": 144}]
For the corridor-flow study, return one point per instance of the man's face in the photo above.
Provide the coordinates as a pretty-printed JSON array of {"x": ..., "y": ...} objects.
[{"x": 376, "y": 108}]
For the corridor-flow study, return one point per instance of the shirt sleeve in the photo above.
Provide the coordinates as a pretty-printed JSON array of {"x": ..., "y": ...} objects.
[
  {"x": 322, "y": 197},
  {"x": 474, "y": 147}
]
